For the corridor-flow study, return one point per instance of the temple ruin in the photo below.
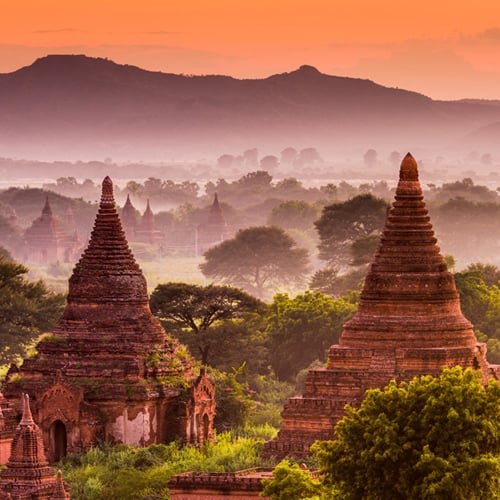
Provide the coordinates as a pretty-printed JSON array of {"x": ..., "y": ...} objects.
[
  {"x": 408, "y": 323},
  {"x": 28, "y": 475},
  {"x": 215, "y": 229},
  {"x": 47, "y": 241},
  {"x": 109, "y": 371}
]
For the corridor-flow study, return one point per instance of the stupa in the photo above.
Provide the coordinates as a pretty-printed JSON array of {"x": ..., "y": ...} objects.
[
  {"x": 109, "y": 371},
  {"x": 408, "y": 323},
  {"x": 129, "y": 219},
  {"x": 47, "y": 241},
  {"x": 215, "y": 229},
  {"x": 28, "y": 474}
]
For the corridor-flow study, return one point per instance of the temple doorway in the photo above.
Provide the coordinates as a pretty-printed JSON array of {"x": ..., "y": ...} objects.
[
  {"x": 59, "y": 440},
  {"x": 206, "y": 427}
]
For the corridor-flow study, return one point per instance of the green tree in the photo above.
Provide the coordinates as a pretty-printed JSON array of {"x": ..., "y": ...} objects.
[
  {"x": 197, "y": 309},
  {"x": 341, "y": 224},
  {"x": 480, "y": 304},
  {"x": 431, "y": 438},
  {"x": 294, "y": 214},
  {"x": 290, "y": 482},
  {"x": 330, "y": 282},
  {"x": 302, "y": 329},
  {"x": 27, "y": 309},
  {"x": 257, "y": 259}
]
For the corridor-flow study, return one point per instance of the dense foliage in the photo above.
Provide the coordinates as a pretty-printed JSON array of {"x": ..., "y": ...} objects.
[
  {"x": 301, "y": 330},
  {"x": 198, "y": 309},
  {"x": 479, "y": 291},
  {"x": 128, "y": 473},
  {"x": 27, "y": 309},
  {"x": 433, "y": 438},
  {"x": 343, "y": 224},
  {"x": 257, "y": 259}
]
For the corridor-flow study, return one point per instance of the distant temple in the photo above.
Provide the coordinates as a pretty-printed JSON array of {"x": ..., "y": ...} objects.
[
  {"x": 28, "y": 475},
  {"x": 408, "y": 324},
  {"x": 214, "y": 230},
  {"x": 129, "y": 219},
  {"x": 47, "y": 241},
  {"x": 109, "y": 371},
  {"x": 140, "y": 232}
]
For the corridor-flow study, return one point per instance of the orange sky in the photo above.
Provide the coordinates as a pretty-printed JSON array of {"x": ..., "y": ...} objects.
[{"x": 426, "y": 46}]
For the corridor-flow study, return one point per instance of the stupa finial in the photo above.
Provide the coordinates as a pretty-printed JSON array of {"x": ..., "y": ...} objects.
[
  {"x": 409, "y": 169},
  {"x": 27, "y": 418},
  {"x": 107, "y": 199}
]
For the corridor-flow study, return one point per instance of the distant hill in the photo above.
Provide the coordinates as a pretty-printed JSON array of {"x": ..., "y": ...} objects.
[{"x": 77, "y": 107}]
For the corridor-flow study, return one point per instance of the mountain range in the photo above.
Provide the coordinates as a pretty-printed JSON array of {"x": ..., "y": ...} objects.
[{"x": 77, "y": 107}]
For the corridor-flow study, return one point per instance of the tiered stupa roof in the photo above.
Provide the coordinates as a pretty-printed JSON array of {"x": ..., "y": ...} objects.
[
  {"x": 408, "y": 323},
  {"x": 28, "y": 474}
]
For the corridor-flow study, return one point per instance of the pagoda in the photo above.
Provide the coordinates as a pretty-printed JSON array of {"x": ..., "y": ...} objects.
[
  {"x": 28, "y": 475},
  {"x": 129, "y": 219},
  {"x": 46, "y": 240},
  {"x": 146, "y": 231},
  {"x": 109, "y": 371},
  {"x": 215, "y": 229},
  {"x": 408, "y": 324}
]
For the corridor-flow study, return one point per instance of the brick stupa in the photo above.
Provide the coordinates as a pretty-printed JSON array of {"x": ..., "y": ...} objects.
[
  {"x": 109, "y": 371},
  {"x": 408, "y": 323},
  {"x": 28, "y": 475},
  {"x": 215, "y": 229}
]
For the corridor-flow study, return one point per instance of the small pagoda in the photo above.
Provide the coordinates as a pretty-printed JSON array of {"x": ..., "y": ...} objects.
[
  {"x": 47, "y": 241},
  {"x": 109, "y": 371},
  {"x": 215, "y": 229},
  {"x": 408, "y": 323},
  {"x": 28, "y": 475}
]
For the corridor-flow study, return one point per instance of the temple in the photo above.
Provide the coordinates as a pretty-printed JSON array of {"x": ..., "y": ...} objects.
[
  {"x": 143, "y": 231},
  {"x": 109, "y": 371},
  {"x": 408, "y": 323},
  {"x": 215, "y": 229},
  {"x": 47, "y": 241},
  {"x": 28, "y": 475}
]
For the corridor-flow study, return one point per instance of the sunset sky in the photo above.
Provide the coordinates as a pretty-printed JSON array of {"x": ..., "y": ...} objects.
[{"x": 446, "y": 50}]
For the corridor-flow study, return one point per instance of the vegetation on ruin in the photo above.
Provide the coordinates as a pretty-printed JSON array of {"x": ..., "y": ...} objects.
[{"x": 124, "y": 472}]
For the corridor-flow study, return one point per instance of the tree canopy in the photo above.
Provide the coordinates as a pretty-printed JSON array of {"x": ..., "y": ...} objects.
[
  {"x": 342, "y": 224},
  {"x": 480, "y": 304},
  {"x": 433, "y": 438},
  {"x": 27, "y": 309},
  {"x": 302, "y": 329},
  {"x": 294, "y": 214},
  {"x": 198, "y": 308},
  {"x": 258, "y": 259}
]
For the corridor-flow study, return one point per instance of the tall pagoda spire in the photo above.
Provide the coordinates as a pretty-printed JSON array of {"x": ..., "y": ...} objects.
[
  {"x": 47, "y": 209},
  {"x": 107, "y": 274},
  {"x": 148, "y": 219},
  {"x": 215, "y": 215},
  {"x": 408, "y": 324},
  {"x": 409, "y": 298}
]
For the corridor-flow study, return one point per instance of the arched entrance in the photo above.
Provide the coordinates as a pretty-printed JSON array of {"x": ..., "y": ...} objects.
[
  {"x": 206, "y": 427},
  {"x": 59, "y": 440}
]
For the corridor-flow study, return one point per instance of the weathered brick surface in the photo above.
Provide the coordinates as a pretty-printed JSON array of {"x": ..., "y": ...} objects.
[{"x": 408, "y": 323}]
